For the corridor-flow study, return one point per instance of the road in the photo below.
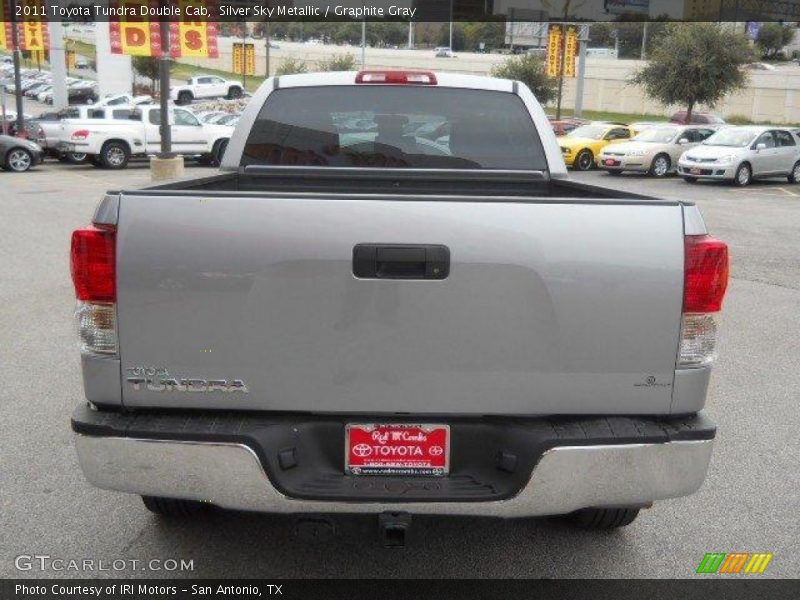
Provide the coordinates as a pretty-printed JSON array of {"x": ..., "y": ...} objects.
[{"x": 749, "y": 502}]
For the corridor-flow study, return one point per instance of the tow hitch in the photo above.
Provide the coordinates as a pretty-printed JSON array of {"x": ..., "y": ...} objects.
[{"x": 394, "y": 528}]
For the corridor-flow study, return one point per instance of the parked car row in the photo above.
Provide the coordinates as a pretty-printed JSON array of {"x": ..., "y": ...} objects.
[
  {"x": 700, "y": 147},
  {"x": 38, "y": 84},
  {"x": 734, "y": 154}
]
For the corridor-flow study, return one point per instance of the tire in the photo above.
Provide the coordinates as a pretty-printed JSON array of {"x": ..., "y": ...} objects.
[
  {"x": 185, "y": 98},
  {"x": 690, "y": 179},
  {"x": 743, "y": 176},
  {"x": 171, "y": 507},
  {"x": 584, "y": 161},
  {"x": 115, "y": 155},
  {"x": 18, "y": 160},
  {"x": 234, "y": 93},
  {"x": 614, "y": 172},
  {"x": 76, "y": 158},
  {"x": 660, "y": 166},
  {"x": 603, "y": 518},
  {"x": 794, "y": 176},
  {"x": 218, "y": 152}
]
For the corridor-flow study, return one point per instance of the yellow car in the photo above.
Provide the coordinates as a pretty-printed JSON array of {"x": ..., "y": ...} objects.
[{"x": 580, "y": 146}]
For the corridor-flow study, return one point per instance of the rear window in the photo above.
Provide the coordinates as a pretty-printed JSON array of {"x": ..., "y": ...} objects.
[{"x": 394, "y": 127}]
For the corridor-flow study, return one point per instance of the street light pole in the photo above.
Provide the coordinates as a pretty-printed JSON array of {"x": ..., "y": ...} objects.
[
  {"x": 163, "y": 71},
  {"x": 17, "y": 75}
]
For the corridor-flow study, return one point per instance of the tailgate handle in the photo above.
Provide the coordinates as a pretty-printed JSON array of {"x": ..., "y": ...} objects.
[{"x": 401, "y": 261}]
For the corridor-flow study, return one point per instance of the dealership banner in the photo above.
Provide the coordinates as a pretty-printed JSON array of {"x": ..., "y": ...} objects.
[
  {"x": 32, "y": 28},
  {"x": 134, "y": 34},
  {"x": 5, "y": 25},
  {"x": 191, "y": 35}
]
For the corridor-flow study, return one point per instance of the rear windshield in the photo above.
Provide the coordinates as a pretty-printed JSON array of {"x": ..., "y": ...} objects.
[{"x": 395, "y": 127}]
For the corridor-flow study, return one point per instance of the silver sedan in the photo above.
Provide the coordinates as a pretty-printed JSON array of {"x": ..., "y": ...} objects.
[{"x": 741, "y": 154}]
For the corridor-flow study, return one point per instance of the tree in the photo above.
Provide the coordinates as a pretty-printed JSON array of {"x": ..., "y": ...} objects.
[
  {"x": 146, "y": 66},
  {"x": 694, "y": 63},
  {"x": 773, "y": 37},
  {"x": 530, "y": 70},
  {"x": 342, "y": 62}
]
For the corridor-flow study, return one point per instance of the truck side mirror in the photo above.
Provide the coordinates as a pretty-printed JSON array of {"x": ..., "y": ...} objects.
[
  {"x": 761, "y": 146},
  {"x": 683, "y": 141}
]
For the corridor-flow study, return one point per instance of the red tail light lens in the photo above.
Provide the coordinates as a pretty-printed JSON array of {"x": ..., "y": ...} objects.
[
  {"x": 81, "y": 134},
  {"x": 705, "y": 274},
  {"x": 397, "y": 77},
  {"x": 93, "y": 264}
]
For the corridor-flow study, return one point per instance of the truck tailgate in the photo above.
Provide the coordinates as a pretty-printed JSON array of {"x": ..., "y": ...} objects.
[{"x": 548, "y": 308}]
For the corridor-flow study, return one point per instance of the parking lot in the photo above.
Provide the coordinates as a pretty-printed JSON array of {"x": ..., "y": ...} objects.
[{"x": 748, "y": 503}]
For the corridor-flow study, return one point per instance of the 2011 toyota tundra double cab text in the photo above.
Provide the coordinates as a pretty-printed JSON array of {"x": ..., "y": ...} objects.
[{"x": 392, "y": 299}]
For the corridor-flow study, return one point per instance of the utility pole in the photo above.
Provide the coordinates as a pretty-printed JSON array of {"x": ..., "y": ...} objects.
[
  {"x": 244, "y": 56},
  {"x": 363, "y": 43},
  {"x": 17, "y": 76},
  {"x": 561, "y": 69},
  {"x": 584, "y": 42},
  {"x": 266, "y": 37},
  {"x": 451, "y": 26},
  {"x": 644, "y": 41}
]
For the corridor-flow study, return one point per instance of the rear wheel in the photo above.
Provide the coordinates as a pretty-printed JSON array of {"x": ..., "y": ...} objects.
[
  {"x": 171, "y": 507},
  {"x": 661, "y": 165},
  {"x": 603, "y": 518},
  {"x": 234, "y": 92},
  {"x": 218, "y": 153},
  {"x": 185, "y": 98},
  {"x": 794, "y": 176},
  {"x": 115, "y": 155},
  {"x": 18, "y": 160},
  {"x": 77, "y": 158},
  {"x": 743, "y": 175},
  {"x": 584, "y": 161}
]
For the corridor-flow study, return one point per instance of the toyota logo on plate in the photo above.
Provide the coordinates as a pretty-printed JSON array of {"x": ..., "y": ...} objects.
[
  {"x": 436, "y": 451},
  {"x": 362, "y": 450}
]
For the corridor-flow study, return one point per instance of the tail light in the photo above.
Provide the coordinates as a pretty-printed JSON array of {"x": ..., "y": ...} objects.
[
  {"x": 397, "y": 77},
  {"x": 705, "y": 281},
  {"x": 81, "y": 134},
  {"x": 93, "y": 267}
]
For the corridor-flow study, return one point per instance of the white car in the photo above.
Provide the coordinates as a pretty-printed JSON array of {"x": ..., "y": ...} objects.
[
  {"x": 206, "y": 86},
  {"x": 111, "y": 144},
  {"x": 741, "y": 154}
]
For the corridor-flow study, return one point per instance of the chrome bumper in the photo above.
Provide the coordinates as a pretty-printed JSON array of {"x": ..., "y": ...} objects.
[{"x": 566, "y": 478}]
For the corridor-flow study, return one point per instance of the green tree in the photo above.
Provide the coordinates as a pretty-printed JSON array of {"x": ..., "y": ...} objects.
[
  {"x": 342, "y": 62},
  {"x": 693, "y": 63},
  {"x": 146, "y": 66},
  {"x": 773, "y": 37},
  {"x": 290, "y": 66},
  {"x": 530, "y": 70}
]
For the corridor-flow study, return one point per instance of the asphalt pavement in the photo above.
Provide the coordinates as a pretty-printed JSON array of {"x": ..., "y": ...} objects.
[{"x": 749, "y": 502}]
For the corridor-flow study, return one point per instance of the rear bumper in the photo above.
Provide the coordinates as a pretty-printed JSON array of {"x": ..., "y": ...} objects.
[
  {"x": 637, "y": 163},
  {"x": 707, "y": 171},
  {"x": 228, "y": 461}
]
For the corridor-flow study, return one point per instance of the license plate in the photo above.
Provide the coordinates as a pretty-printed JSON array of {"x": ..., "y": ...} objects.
[
  {"x": 610, "y": 162},
  {"x": 397, "y": 449},
  {"x": 696, "y": 171}
]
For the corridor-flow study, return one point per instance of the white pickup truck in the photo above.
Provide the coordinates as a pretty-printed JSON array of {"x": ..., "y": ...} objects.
[
  {"x": 206, "y": 86},
  {"x": 393, "y": 300},
  {"x": 111, "y": 143}
]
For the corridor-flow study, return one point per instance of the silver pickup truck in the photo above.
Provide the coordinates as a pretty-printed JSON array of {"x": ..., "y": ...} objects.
[{"x": 392, "y": 300}]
